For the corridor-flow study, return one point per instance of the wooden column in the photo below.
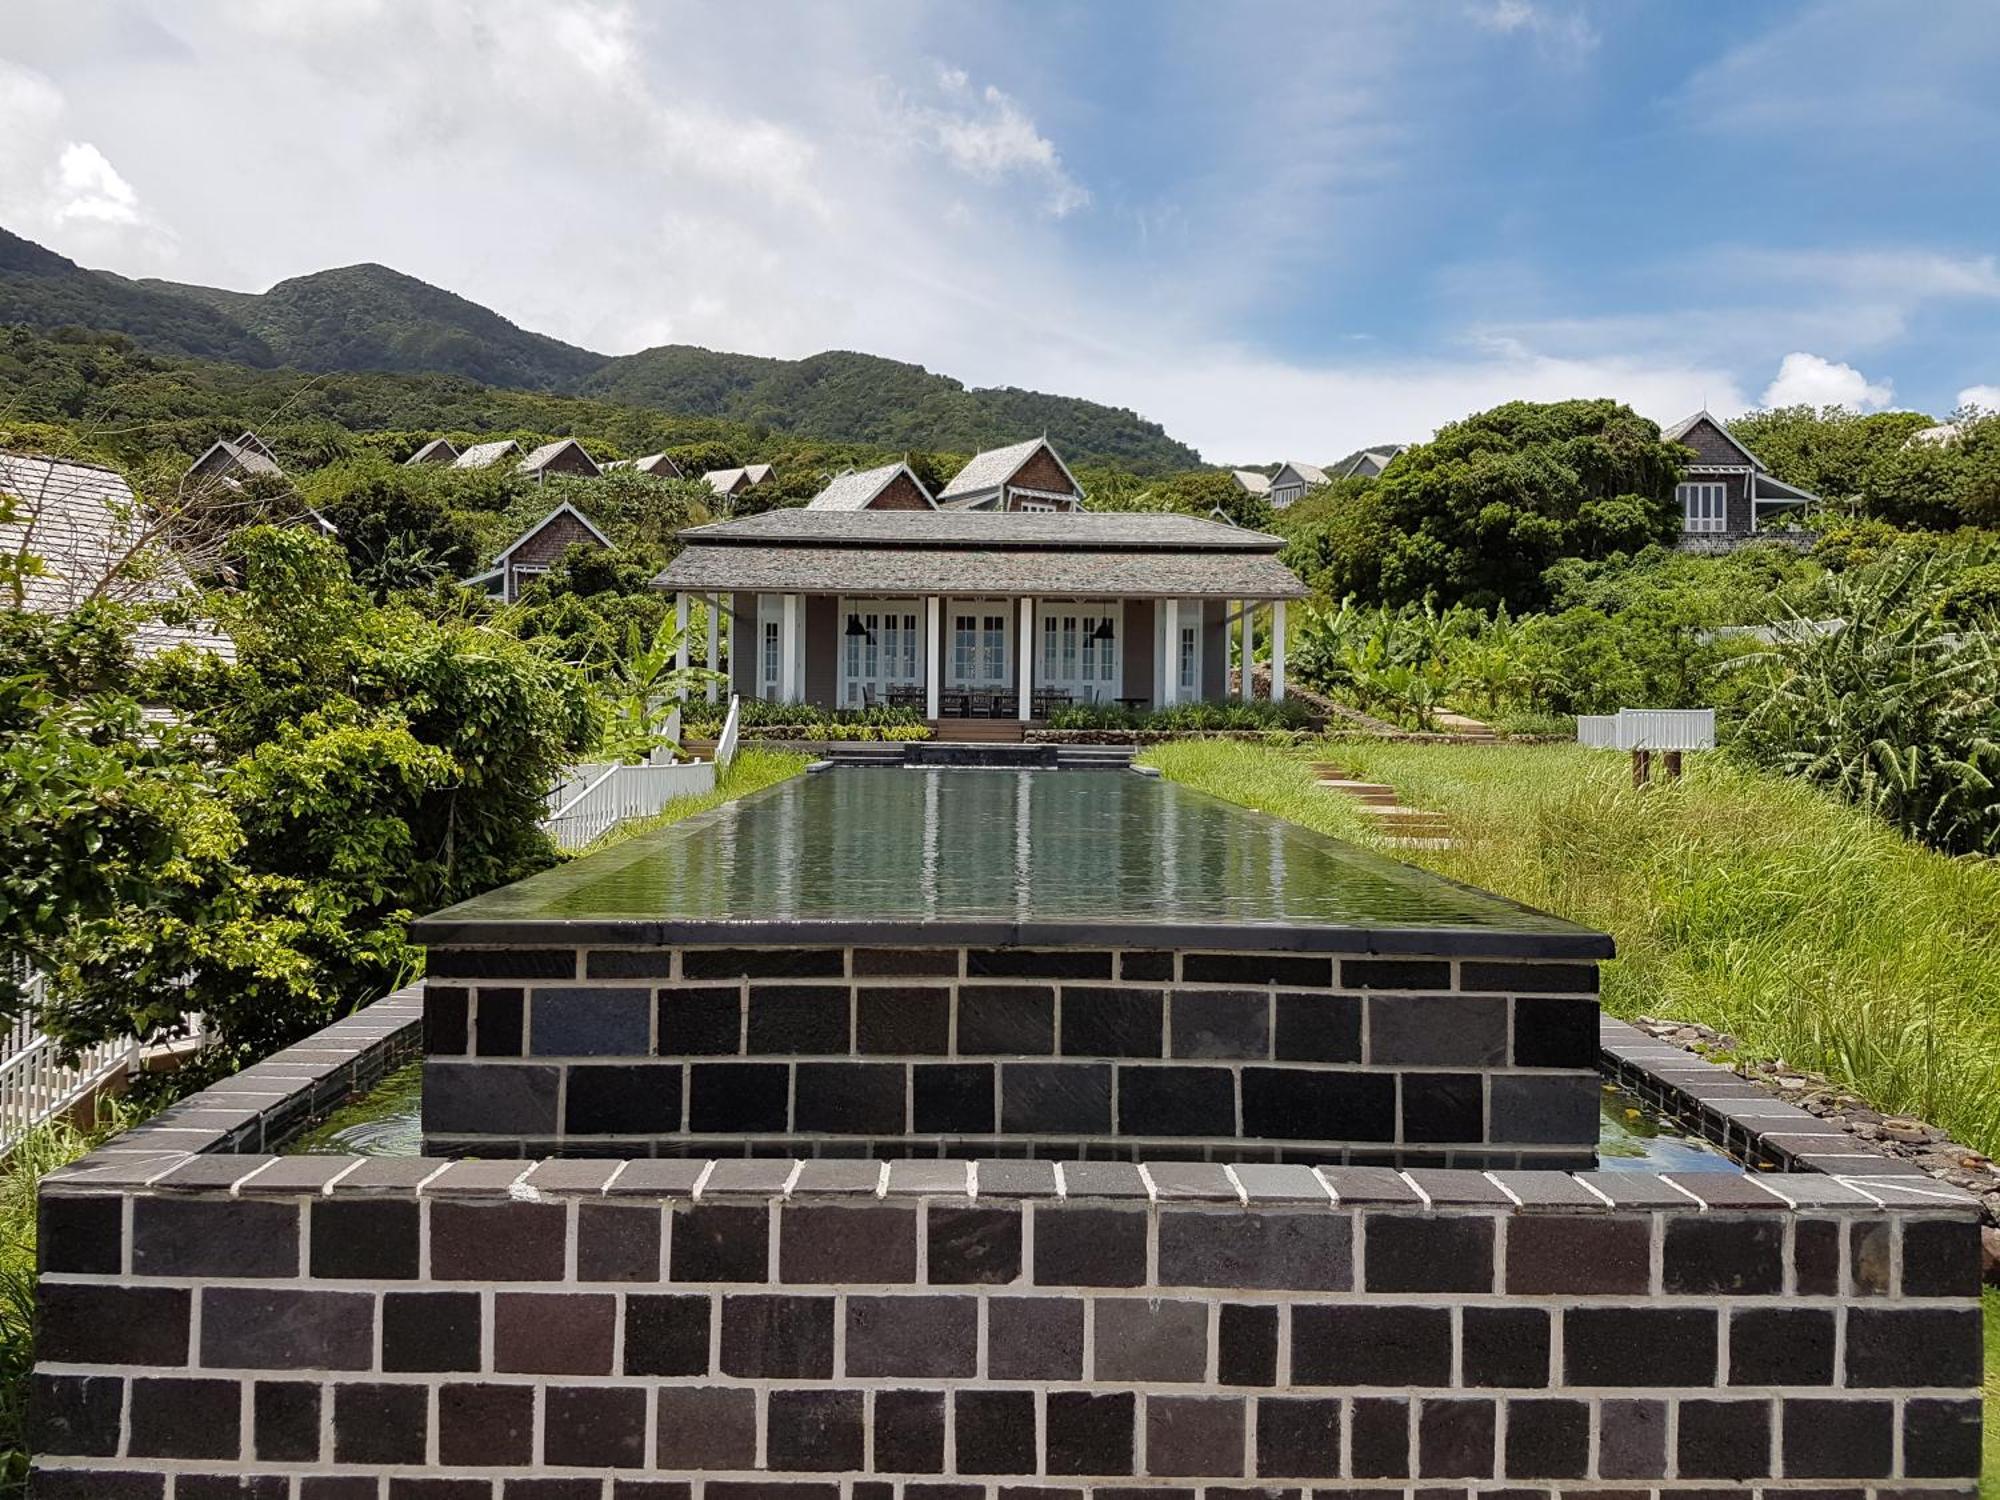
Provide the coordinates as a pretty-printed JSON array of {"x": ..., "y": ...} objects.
[
  {"x": 788, "y": 653},
  {"x": 1170, "y": 676},
  {"x": 1027, "y": 662},
  {"x": 1244, "y": 690},
  {"x": 714, "y": 644},
  {"x": 933, "y": 654},
  {"x": 1277, "y": 651}
]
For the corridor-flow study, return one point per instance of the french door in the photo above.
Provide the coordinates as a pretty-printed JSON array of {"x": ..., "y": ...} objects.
[
  {"x": 977, "y": 650},
  {"x": 1081, "y": 649},
  {"x": 881, "y": 648}
]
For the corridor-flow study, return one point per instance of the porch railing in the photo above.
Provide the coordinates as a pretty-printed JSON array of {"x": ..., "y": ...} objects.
[
  {"x": 36, "y": 1085},
  {"x": 1648, "y": 729},
  {"x": 618, "y": 793},
  {"x": 725, "y": 743}
]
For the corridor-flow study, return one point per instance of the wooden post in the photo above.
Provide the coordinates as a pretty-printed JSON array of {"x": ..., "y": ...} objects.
[
  {"x": 1243, "y": 689},
  {"x": 1673, "y": 765},
  {"x": 1642, "y": 767},
  {"x": 1170, "y": 678},
  {"x": 788, "y": 653},
  {"x": 714, "y": 644},
  {"x": 1277, "y": 651},
  {"x": 1027, "y": 662},
  {"x": 933, "y": 655}
]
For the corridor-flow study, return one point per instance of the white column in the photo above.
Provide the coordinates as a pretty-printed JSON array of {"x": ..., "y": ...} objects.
[
  {"x": 788, "y": 653},
  {"x": 1245, "y": 691},
  {"x": 933, "y": 654},
  {"x": 714, "y": 643},
  {"x": 1170, "y": 674},
  {"x": 1277, "y": 651},
  {"x": 680, "y": 662},
  {"x": 1027, "y": 673}
]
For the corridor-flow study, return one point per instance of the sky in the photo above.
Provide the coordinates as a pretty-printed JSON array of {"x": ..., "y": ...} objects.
[{"x": 1281, "y": 230}]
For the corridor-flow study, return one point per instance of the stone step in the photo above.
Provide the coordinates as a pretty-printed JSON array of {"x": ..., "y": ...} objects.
[{"x": 1362, "y": 791}]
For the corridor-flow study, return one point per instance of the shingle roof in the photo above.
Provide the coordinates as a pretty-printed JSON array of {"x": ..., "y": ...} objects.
[
  {"x": 757, "y": 473},
  {"x": 1251, "y": 482},
  {"x": 437, "y": 450},
  {"x": 852, "y": 491},
  {"x": 1686, "y": 425},
  {"x": 652, "y": 463},
  {"x": 1005, "y": 530},
  {"x": 82, "y": 521},
  {"x": 722, "y": 481},
  {"x": 248, "y": 453},
  {"x": 544, "y": 455},
  {"x": 994, "y": 467},
  {"x": 485, "y": 455},
  {"x": 1312, "y": 474},
  {"x": 1216, "y": 573}
]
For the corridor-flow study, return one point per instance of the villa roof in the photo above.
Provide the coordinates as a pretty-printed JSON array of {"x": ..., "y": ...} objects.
[
  {"x": 1312, "y": 474},
  {"x": 1686, "y": 425},
  {"x": 1251, "y": 482},
  {"x": 985, "y": 552},
  {"x": 248, "y": 451},
  {"x": 83, "y": 521},
  {"x": 652, "y": 463},
  {"x": 485, "y": 455},
  {"x": 543, "y": 456},
  {"x": 437, "y": 450},
  {"x": 994, "y": 467},
  {"x": 852, "y": 491}
]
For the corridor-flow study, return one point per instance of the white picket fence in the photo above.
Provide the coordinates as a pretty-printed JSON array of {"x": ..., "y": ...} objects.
[
  {"x": 36, "y": 1084},
  {"x": 1648, "y": 729},
  {"x": 622, "y": 792}
]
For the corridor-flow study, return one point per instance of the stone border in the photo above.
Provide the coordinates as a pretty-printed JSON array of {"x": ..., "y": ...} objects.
[{"x": 226, "y": 1137}]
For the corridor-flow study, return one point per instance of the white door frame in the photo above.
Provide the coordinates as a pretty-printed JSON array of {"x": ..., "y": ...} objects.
[
  {"x": 898, "y": 629},
  {"x": 1066, "y": 660},
  {"x": 991, "y": 655}
]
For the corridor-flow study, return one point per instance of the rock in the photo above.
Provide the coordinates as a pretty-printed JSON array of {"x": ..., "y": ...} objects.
[
  {"x": 1989, "y": 1255},
  {"x": 1909, "y": 1132}
]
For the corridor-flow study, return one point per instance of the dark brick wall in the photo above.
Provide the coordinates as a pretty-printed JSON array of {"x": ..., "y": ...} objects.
[
  {"x": 975, "y": 1051},
  {"x": 322, "y": 1327}
]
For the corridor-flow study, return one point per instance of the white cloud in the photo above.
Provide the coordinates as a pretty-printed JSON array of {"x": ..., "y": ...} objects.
[
  {"x": 1808, "y": 380},
  {"x": 1985, "y": 397},
  {"x": 1562, "y": 34},
  {"x": 985, "y": 134},
  {"x": 87, "y": 186}
]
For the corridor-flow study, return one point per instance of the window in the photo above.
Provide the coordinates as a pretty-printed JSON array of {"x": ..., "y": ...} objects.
[
  {"x": 1704, "y": 507},
  {"x": 1189, "y": 678},
  {"x": 964, "y": 646},
  {"x": 996, "y": 648},
  {"x": 1034, "y": 505},
  {"x": 771, "y": 659}
]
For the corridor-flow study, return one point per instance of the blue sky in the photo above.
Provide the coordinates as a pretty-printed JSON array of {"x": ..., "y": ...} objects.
[{"x": 1281, "y": 230}]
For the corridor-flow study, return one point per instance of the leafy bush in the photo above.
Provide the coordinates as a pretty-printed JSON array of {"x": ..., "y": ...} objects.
[
  {"x": 1896, "y": 709},
  {"x": 1260, "y": 713},
  {"x": 808, "y": 721}
]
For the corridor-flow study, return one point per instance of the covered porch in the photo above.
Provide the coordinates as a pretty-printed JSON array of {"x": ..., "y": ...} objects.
[{"x": 1010, "y": 629}]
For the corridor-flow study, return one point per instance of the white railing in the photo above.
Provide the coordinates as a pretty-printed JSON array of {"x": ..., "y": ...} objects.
[
  {"x": 36, "y": 1085},
  {"x": 725, "y": 743},
  {"x": 1648, "y": 729},
  {"x": 621, "y": 792},
  {"x": 1597, "y": 731}
]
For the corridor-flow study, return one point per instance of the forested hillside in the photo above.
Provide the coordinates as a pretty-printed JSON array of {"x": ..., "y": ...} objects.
[{"x": 369, "y": 318}]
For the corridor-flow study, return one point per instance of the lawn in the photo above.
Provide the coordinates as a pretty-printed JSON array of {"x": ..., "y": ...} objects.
[{"x": 1737, "y": 898}]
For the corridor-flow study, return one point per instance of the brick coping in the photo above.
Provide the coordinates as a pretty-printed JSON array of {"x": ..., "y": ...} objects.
[{"x": 221, "y": 1140}]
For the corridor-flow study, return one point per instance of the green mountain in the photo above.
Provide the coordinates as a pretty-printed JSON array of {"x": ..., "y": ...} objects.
[{"x": 373, "y": 319}]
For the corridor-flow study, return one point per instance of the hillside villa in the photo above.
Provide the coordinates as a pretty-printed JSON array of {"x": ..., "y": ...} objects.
[
  {"x": 890, "y": 487},
  {"x": 1370, "y": 465},
  {"x": 981, "y": 614},
  {"x": 486, "y": 455},
  {"x": 1726, "y": 497},
  {"x": 1027, "y": 476},
  {"x": 1252, "y": 483},
  {"x": 535, "y": 551},
  {"x": 230, "y": 461},
  {"x": 1292, "y": 481},
  {"x": 564, "y": 456},
  {"x": 728, "y": 482},
  {"x": 439, "y": 451},
  {"x": 656, "y": 464}
]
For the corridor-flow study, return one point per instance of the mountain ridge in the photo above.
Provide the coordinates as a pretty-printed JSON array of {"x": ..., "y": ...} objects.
[{"x": 369, "y": 317}]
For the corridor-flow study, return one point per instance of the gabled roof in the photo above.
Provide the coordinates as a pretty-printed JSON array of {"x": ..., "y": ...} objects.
[
  {"x": 500, "y": 558},
  {"x": 1777, "y": 492},
  {"x": 652, "y": 463},
  {"x": 1310, "y": 473},
  {"x": 723, "y": 481},
  {"x": 485, "y": 455},
  {"x": 1379, "y": 457},
  {"x": 1686, "y": 425},
  {"x": 545, "y": 455},
  {"x": 993, "y": 468},
  {"x": 247, "y": 452},
  {"x": 83, "y": 521},
  {"x": 436, "y": 451},
  {"x": 852, "y": 491},
  {"x": 1251, "y": 482},
  {"x": 757, "y": 473}
]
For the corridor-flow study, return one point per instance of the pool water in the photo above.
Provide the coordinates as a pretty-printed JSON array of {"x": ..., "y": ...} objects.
[
  {"x": 1632, "y": 1136},
  {"x": 988, "y": 845}
]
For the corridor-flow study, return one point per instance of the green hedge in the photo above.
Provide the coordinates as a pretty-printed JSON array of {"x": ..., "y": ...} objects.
[{"x": 1260, "y": 713}]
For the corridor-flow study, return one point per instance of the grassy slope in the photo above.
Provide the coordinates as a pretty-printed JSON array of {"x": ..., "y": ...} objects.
[{"x": 1737, "y": 899}]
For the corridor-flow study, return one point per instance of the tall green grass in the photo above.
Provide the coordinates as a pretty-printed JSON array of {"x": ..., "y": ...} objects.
[
  {"x": 1738, "y": 898},
  {"x": 751, "y": 771}
]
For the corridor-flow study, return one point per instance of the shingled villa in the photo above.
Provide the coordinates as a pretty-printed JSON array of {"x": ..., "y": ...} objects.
[{"x": 982, "y": 614}]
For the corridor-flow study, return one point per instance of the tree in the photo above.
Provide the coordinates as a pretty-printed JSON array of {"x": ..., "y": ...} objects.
[
  {"x": 1477, "y": 514},
  {"x": 398, "y": 529}
]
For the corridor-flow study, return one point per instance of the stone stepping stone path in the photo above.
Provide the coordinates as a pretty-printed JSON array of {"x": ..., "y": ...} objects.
[{"x": 1402, "y": 827}]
